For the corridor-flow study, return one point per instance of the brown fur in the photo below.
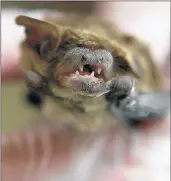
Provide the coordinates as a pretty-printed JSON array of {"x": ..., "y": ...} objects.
[{"x": 94, "y": 33}]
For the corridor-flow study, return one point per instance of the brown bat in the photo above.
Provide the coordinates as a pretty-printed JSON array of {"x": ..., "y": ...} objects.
[
  {"x": 80, "y": 64},
  {"x": 88, "y": 75}
]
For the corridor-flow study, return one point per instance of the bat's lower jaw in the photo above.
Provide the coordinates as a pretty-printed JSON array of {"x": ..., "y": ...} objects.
[{"x": 85, "y": 85}]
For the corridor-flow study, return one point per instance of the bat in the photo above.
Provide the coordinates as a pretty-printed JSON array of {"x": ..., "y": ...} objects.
[
  {"x": 86, "y": 71},
  {"x": 83, "y": 73}
]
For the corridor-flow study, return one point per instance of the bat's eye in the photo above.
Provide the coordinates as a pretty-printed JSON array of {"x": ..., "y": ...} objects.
[
  {"x": 37, "y": 49},
  {"x": 65, "y": 43},
  {"x": 80, "y": 45}
]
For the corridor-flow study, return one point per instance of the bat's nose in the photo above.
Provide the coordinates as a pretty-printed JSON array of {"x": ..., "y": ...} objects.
[{"x": 85, "y": 56}]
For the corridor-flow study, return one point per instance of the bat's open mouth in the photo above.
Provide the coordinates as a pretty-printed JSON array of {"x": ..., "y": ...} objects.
[
  {"x": 85, "y": 71},
  {"x": 94, "y": 71},
  {"x": 87, "y": 80}
]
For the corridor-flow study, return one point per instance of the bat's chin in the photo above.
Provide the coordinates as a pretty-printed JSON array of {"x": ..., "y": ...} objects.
[{"x": 86, "y": 84}]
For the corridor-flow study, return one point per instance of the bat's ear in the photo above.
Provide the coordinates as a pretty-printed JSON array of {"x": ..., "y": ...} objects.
[
  {"x": 37, "y": 31},
  {"x": 125, "y": 63}
]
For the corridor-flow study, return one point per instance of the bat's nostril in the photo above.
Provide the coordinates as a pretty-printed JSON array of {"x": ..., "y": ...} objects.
[{"x": 84, "y": 58}]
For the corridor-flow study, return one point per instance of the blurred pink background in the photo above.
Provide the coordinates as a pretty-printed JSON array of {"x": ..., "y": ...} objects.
[{"x": 139, "y": 155}]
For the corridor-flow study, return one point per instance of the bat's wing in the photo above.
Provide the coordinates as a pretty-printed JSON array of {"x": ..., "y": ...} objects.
[
  {"x": 128, "y": 105},
  {"x": 142, "y": 106}
]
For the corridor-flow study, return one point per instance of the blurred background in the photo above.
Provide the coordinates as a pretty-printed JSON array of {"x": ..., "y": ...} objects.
[{"x": 150, "y": 21}]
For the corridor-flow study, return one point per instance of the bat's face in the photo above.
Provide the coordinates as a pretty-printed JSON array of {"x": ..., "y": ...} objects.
[
  {"x": 77, "y": 59},
  {"x": 84, "y": 69}
]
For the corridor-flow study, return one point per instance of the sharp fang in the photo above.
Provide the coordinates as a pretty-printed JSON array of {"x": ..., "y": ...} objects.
[
  {"x": 81, "y": 68},
  {"x": 77, "y": 73},
  {"x": 92, "y": 74},
  {"x": 99, "y": 69}
]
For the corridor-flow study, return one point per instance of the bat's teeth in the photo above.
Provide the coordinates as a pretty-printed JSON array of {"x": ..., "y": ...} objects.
[
  {"x": 77, "y": 73},
  {"x": 92, "y": 74},
  {"x": 81, "y": 68},
  {"x": 99, "y": 69}
]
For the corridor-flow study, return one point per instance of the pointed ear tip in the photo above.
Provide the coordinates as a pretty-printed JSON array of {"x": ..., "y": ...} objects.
[
  {"x": 19, "y": 19},
  {"x": 27, "y": 21}
]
